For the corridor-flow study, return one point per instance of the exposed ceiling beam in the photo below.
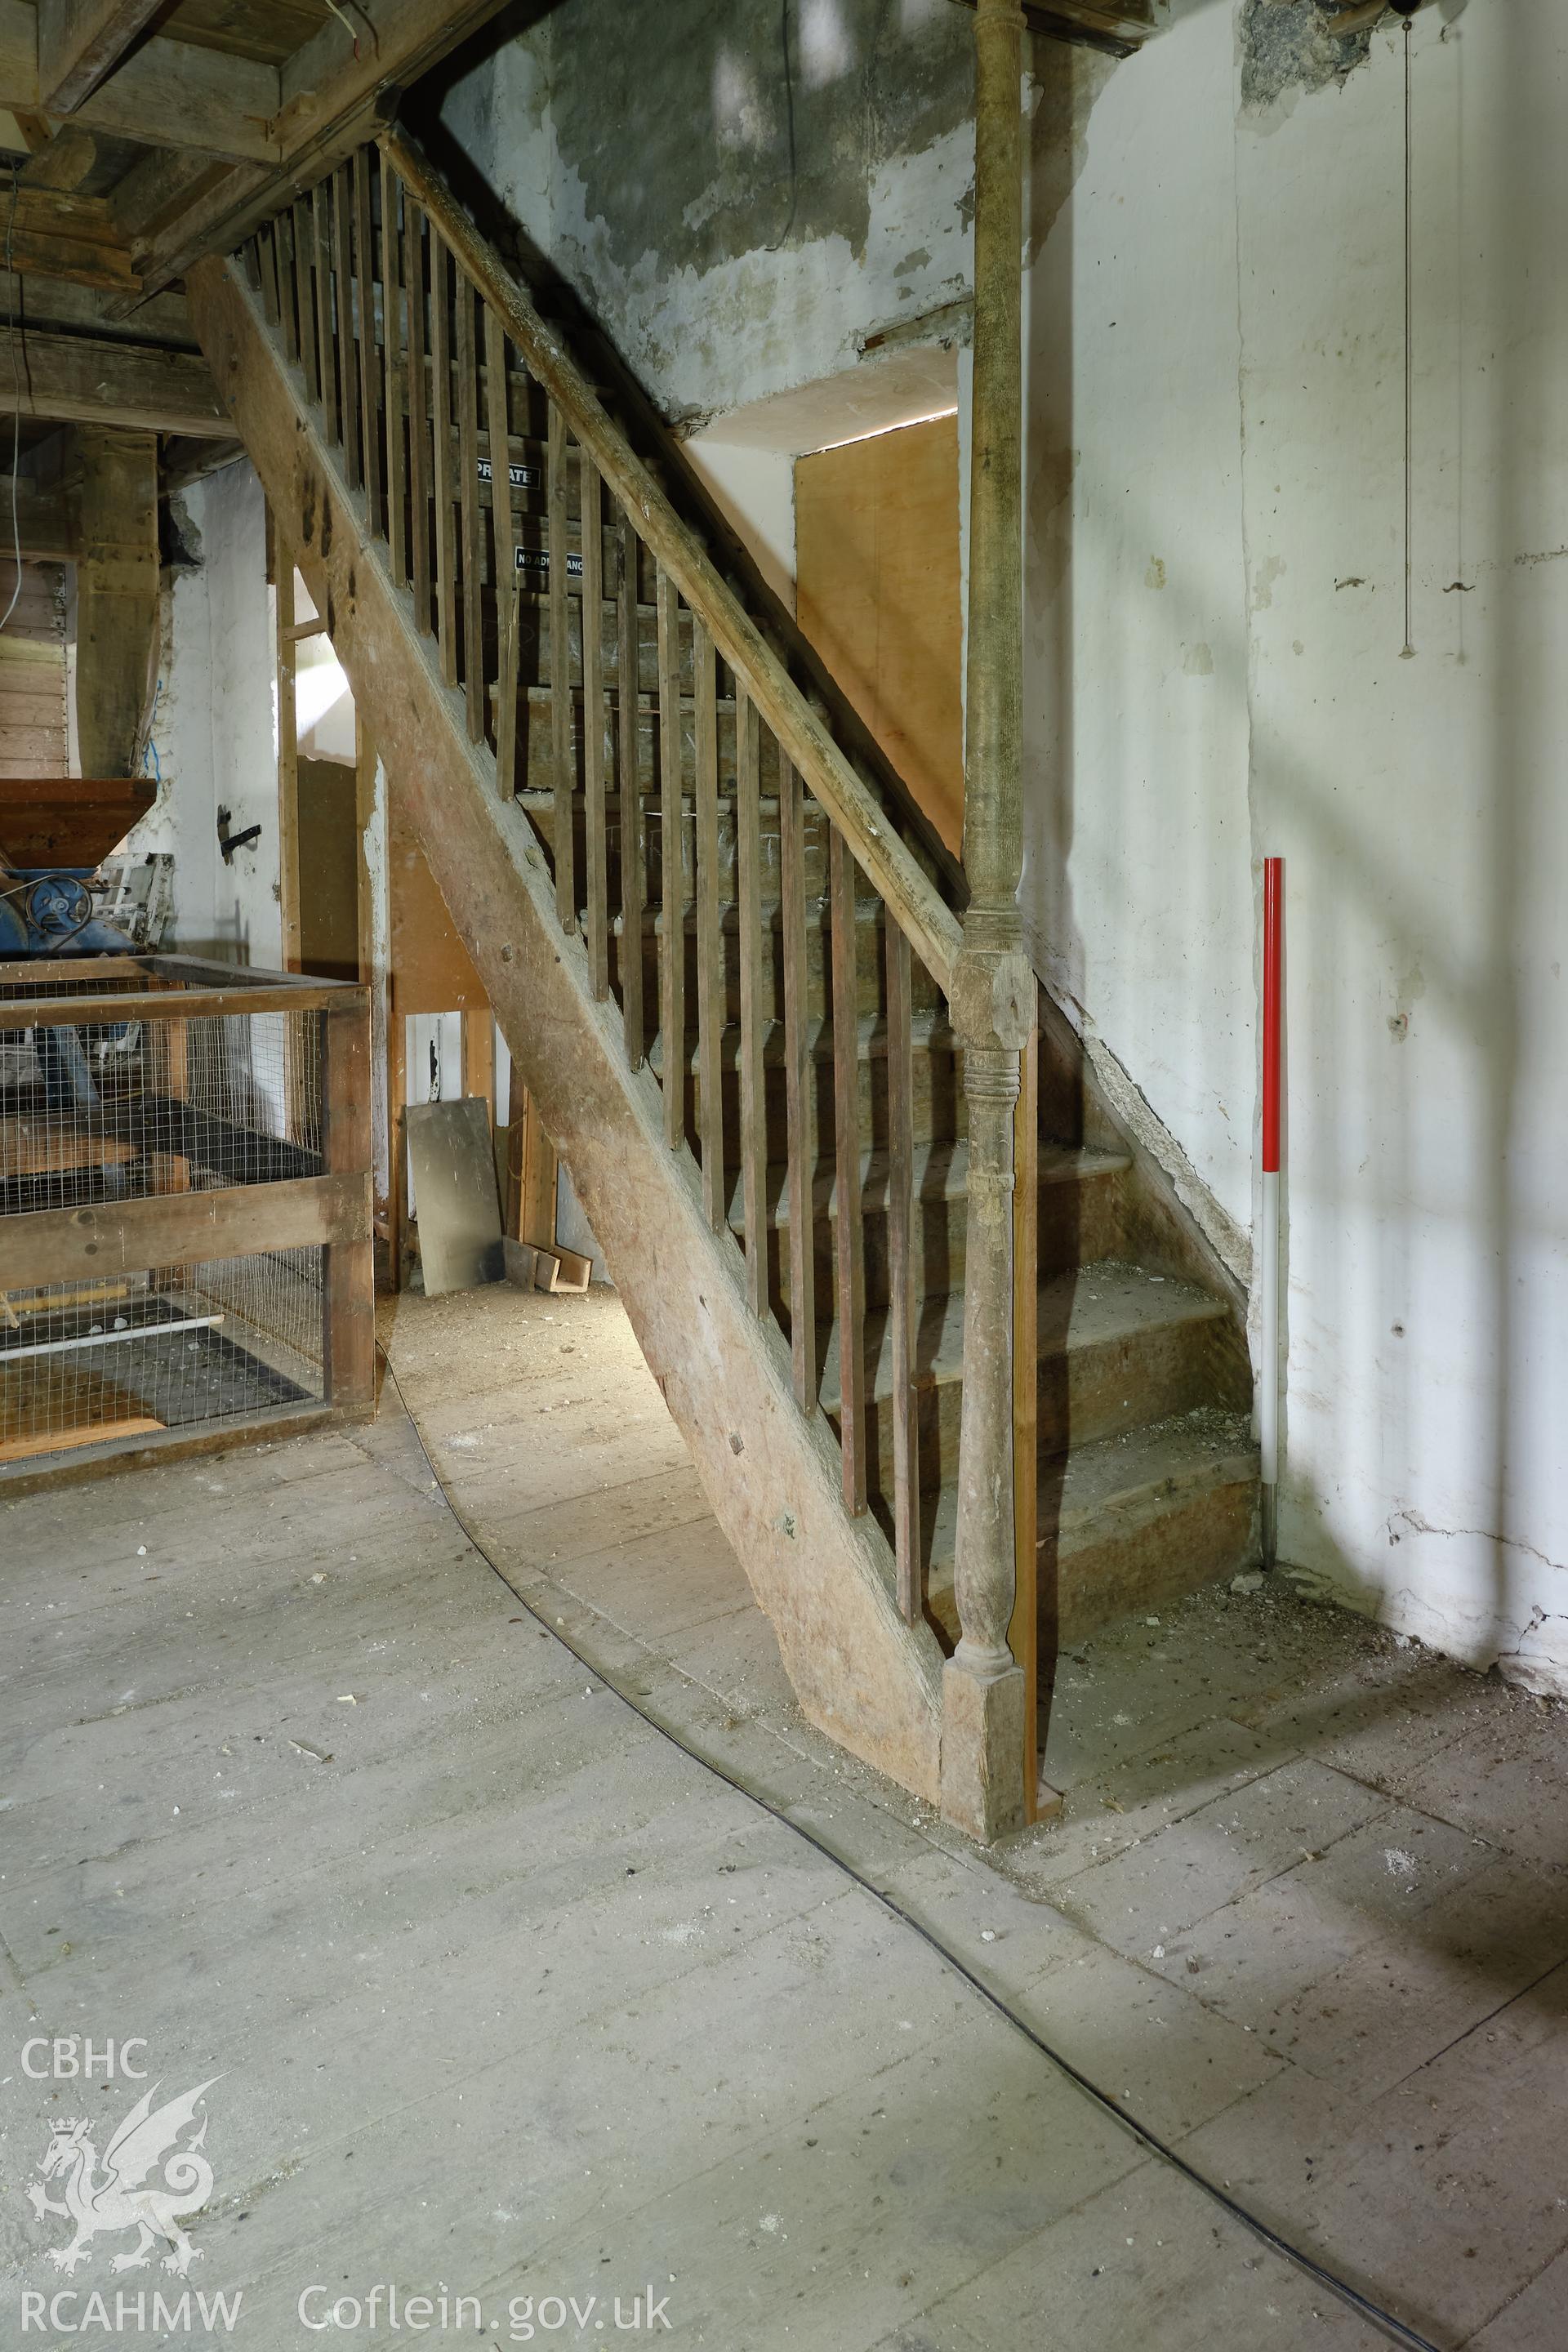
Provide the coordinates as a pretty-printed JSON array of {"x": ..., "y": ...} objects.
[
  {"x": 172, "y": 94},
  {"x": 1357, "y": 18},
  {"x": 39, "y": 301},
  {"x": 63, "y": 160},
  {"x": 54, "y": 233},
  {"x": 167, "y": 93},
  {"x": 43, "y": 519},
  {"x": 329, "y": 99},
  {"x": 78, "y": 379},
  {"x": 81, "y": 41},
  {"x": 1118, "y": 26},
  {"x": 186, "y": 461}
]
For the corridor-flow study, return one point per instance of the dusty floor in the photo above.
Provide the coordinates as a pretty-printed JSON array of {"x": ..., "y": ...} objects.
[{"x": 510, "y": 1999}]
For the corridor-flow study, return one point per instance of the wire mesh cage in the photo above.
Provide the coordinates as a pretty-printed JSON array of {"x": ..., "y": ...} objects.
[{"x": 184, "y": 1203}]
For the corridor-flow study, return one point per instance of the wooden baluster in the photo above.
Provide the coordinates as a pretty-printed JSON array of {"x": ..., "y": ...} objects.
[
  {"x": 267, "y": 249},
  {"x": 348, "y": 367},
  {"x": 709, "y": 932},
  {"x": 309, "y": 353},
  {"x": 749, "y": 912},
  {"x": 369, "y": 374},
  {"x": 417, "y": 278},
  {"x": 595, "y": 823},
  {"x": 392, "y": 342},
  {"x": 848, "y": 1238},
  {"x": 797, "y": 1088},
  {"x": 283, "y": 231},
  {"x": 511, "y": 594},
  {"x": 467, "y": 374},
  {"x": 441, "y": 425},
  {"x": 672, "y": 866},
  {"x": 629, "y": 764},
  {"x": 250, "y": 254},
  {"x": 902, "y": 1269},
  {"x": 566, "y": 829},
  {"x": 498, "y": 426},
  {"x": 321, "y": 238}
]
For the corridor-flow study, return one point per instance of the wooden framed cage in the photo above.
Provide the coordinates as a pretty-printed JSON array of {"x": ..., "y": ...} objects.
[{"x": 185, "y": 1237}]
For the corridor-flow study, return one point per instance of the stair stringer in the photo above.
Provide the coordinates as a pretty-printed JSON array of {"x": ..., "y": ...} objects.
[{"x": 771, "y": 1476}]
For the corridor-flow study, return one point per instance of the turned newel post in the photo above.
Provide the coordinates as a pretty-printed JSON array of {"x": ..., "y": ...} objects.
[{"x": 993, "y": 993}]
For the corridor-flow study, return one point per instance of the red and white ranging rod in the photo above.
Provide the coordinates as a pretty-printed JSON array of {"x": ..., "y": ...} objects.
[{"x": 1269, "y": 1237}]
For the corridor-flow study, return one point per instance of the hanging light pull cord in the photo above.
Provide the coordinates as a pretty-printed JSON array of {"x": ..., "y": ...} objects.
[{"x": 1409, "y": 651}]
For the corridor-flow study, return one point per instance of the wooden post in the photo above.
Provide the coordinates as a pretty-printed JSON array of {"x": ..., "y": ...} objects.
[
  {"x": 288, "y": 756},
  {"x": 983, "y": 1687},
  {"x": 349, "y": 1285},
  {"x": 479, "y": 1054},
  {"x": 117, "y": 596}
]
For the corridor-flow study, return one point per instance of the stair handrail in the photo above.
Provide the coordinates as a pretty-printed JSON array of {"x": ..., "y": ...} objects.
[{"x": 926, "y": 920}]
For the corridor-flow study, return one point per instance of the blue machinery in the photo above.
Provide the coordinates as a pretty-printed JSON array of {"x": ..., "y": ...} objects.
[{"x": 54, "y": 833}]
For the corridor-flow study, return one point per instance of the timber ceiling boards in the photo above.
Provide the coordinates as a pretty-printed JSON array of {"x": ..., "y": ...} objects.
[{"x": 143, "y": 133}]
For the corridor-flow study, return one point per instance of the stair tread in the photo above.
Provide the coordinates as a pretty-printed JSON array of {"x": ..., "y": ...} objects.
[
  {"x": 1085, "y": 1308},
  {"x": 941, "y": 1170},
  {"x": 1181, "y": 1457}
]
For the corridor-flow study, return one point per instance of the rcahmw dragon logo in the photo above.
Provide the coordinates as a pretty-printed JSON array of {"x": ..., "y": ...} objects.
[{"x": 147, "y": 2183}]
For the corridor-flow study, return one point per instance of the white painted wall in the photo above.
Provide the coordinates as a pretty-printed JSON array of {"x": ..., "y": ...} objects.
[
  {"x": 215, "y": 734},
  {"x": 1215, "y": 618}
]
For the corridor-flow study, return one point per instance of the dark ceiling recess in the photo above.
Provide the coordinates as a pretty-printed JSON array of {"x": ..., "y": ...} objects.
[{"x": 1363, "y": 14}]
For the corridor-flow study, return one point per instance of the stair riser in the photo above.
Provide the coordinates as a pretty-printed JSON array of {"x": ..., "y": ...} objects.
[
  {"x": 1144, "y": 1555},
  {"x": 1146, "y": 1560},
  {"x": 1084, "y": 1393},
  {"x": 1076, "y": 1219}
]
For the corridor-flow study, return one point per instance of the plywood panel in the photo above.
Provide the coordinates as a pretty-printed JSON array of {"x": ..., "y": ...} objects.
[
  {"x": 329, "y": 870},
  {"x": 431, "y": 968},
  {"x": 877, "y": 595}
]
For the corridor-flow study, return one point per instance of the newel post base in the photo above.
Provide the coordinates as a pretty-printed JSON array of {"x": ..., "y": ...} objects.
[{"x": 983, "y": 1750}]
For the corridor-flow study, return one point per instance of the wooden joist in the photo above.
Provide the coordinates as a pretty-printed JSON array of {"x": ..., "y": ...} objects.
[
  {"x": 43, "y": 518},
  {"x": 79, "y": 41},
  {"x": 328, "y": 102},
  {"x": 77, "y": 61},
  {"x": 84, "y": 380},
  {"x": 57, "y": 233}
]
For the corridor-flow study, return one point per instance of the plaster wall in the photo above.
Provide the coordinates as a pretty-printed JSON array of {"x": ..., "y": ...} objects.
[
  {"x": 214, "y": 733},
  {"x": 1216, "y": 627},
  {"x": 740, "y": 201}
]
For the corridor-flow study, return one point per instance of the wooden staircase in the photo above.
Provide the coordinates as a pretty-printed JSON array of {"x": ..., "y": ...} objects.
[{"x": 725, "y": 959}]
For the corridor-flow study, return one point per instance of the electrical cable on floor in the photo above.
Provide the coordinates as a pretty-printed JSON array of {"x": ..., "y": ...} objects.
[{"x": 1329, "y": 2281}]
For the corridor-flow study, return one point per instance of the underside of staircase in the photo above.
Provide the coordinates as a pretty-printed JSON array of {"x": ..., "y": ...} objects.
[{"x": 719, "y": 946}]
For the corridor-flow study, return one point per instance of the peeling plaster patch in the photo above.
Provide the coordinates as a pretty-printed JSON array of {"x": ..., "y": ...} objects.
[
  {"x": 1156, "y": 576},
  {"x": 758, "y": 320},
  {"x": 1199, "y": 662},
  {"x": 1287, "y": 48}
]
